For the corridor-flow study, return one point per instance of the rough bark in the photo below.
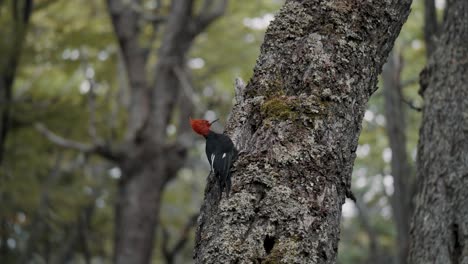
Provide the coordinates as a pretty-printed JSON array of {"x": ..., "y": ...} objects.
[
  {"x": 400, "y": 168},
  {"x": 296, "y": 125},
  {"x": 150, "y": 159},
  {"x": 439, "y": 228}
]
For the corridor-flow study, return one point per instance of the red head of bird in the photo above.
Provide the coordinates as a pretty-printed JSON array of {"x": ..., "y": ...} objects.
[{"x": 201, "y": 126}]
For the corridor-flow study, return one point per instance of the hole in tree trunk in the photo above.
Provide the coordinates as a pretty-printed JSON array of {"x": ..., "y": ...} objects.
[
  {"x": 268, "y": 244},
  {"x": 457, "y": 246}
]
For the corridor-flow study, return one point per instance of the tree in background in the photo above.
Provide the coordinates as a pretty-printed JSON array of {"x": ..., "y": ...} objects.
[
  {"x": 296, "y": 125},
  {"x": 395, "y": 116},
  {"x": 400, "y": 168},
  {"x": 438, "y": 227},
  {"x": 14, "y": 20},
  {"x": 147, "y": 158}
]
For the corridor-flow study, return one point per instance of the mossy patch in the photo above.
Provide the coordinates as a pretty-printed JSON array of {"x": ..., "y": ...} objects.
[
  {"x": 294, "y": 108},
  {"x": 278, "y": 108}
]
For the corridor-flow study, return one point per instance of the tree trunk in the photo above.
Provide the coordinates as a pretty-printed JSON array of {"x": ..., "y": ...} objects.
[
  {"x": 374, "y": 246},
  {"x": 439, "y": 228},
  {"x": 150, "y": 159},
  {"x": 137, "y": 210},
  {"x": 15, "y": 31},
  {"x": 400, "y": 169},
  {"x": 297, "y": 125}
]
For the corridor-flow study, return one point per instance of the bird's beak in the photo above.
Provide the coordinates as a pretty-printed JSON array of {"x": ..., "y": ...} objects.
[{"x": 214, "y": 121}]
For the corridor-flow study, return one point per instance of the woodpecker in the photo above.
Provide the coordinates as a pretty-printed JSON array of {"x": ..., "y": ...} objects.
[{"x": 220, "y": 152}]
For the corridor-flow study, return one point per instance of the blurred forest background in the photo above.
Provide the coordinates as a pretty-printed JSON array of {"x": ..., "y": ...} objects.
[{"x": 57, "y": 204}]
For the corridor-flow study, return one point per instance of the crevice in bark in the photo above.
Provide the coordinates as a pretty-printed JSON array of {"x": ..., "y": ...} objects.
[
  {"x": 269, "y": 243},
  {"x": 456, "y": 251}
]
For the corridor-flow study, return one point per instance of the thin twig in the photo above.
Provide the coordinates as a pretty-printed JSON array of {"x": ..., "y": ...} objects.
[
  {"x": 184, "y": 135},
  {"x": 184, "y": 81},
  {"x": 169, "y": 254},
  {"x": 62, "y": 142},
  {"x": 92, "y": 110},
  {"x": 411, "y": 105},
  {"x": 409, "y": 82},
  {"x": 208, "y": 14}
]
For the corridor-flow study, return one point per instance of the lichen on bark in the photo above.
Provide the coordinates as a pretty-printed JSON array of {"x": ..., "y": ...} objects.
[{"x": 296, "y": 125}]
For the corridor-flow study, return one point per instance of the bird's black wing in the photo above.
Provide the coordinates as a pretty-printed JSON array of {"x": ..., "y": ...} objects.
[{"x": 221, "y": 161}]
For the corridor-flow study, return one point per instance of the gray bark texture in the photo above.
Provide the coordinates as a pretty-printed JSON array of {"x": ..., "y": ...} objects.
[
  {"x": 400, "y": 168},
  {"x": 296, "y": 125},
  {"x": 439, "y": 227}
]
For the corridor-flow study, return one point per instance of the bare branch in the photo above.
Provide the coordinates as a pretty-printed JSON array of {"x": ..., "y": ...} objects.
[
  {"x": 411, "y": 105},
  {"x": 409, "y": 82},
  {"x": 112, "y": 98},
  {"x": 176, "y": 154},
  {"x": 91, "y": 97},
  {"x": 99, "y": 148},
  {"x": 184, "y": 133},
  {"x": 126, "y": 24},
  {"x": 92, "y": 131},
  {"x": 62, "y": 142},
  {"x": 208, "y": 14},
  {"x": 184, "y": 81},
  {"x": 169, "y": 254},
  {"x": 185, "y": 233}
]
